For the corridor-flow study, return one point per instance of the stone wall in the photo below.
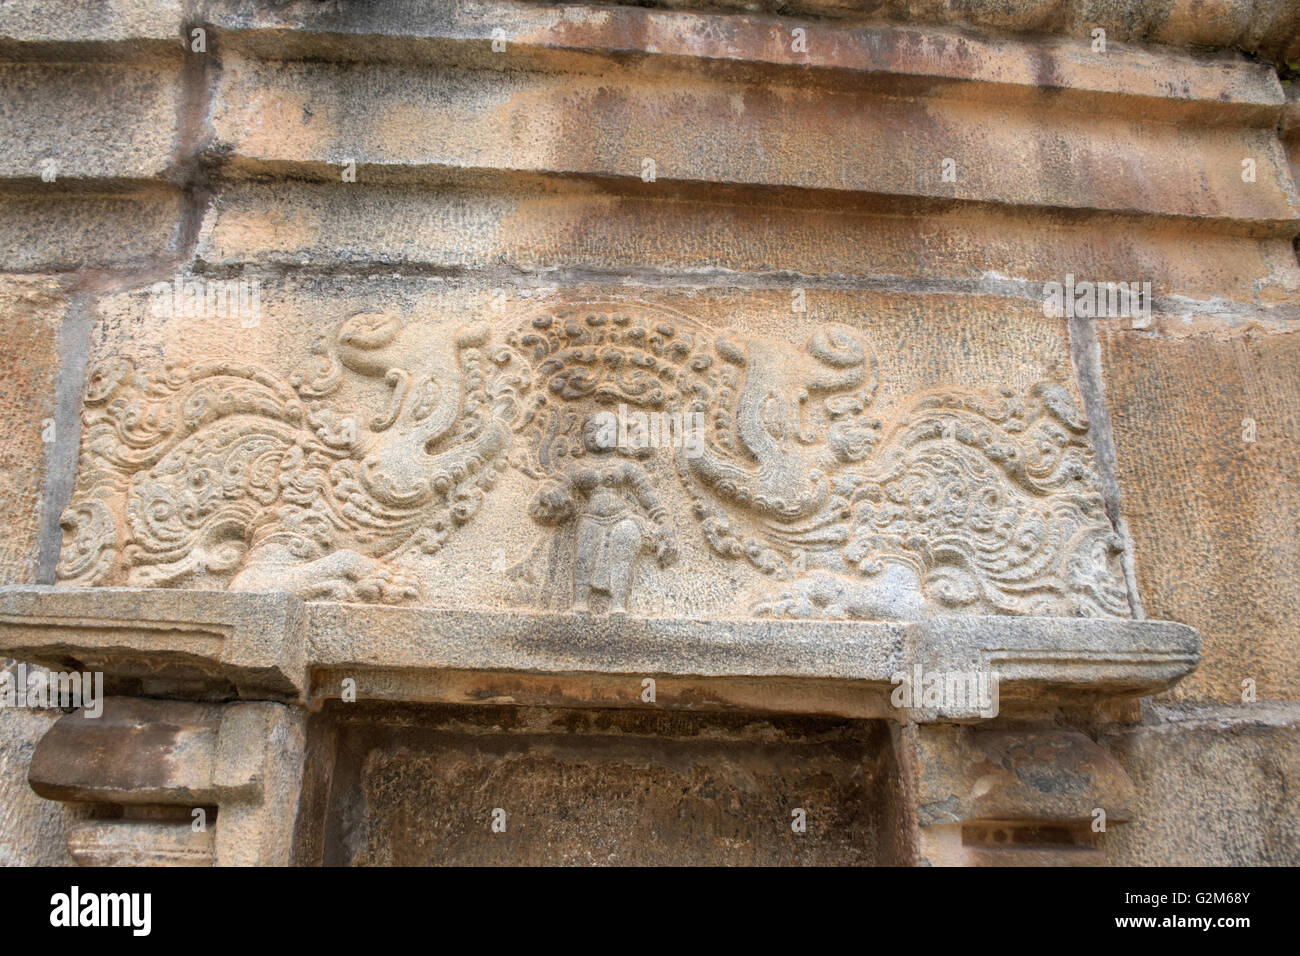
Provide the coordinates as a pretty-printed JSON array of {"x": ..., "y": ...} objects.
[{"x": 857, "y": 207}]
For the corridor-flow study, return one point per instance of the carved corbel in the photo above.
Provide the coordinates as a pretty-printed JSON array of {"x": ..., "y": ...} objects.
[{"x": 176, "y": 783}]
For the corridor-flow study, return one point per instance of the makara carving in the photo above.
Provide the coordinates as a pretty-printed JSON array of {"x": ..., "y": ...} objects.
[{"x": 216, "y": 473}]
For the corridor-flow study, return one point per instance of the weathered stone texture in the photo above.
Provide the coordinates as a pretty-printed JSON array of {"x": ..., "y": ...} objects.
[
  {"x": 31, "y": 829},
  {"x": 397, "y": 28},
  {"x": 54, "y": 26},
  {"x": 537, "y": 372},
  {"x": 138, "y": 843},
  {"x": 99, "y": 121},
  {"x": 44, "y": 232},
  {"x": 1244, "y": 761},
  {"x": 419, "y": 123},
  {"x": 31, "y": 310},
  {"x": 168, "y": 782},
  {"x": 606, "y": 788},
  {"x": 419, "y": 208},
  {"x": 1214, "y": 515},
  {"x": 1269, "y": 28},
  {"x": 532, "y": 225},
  {"x": 1017, "y": 794}
]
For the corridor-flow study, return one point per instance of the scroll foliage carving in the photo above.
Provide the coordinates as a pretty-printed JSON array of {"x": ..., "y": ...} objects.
[
  {"x": 226, "y": 471},
  {"x": 217, "y": 473}
]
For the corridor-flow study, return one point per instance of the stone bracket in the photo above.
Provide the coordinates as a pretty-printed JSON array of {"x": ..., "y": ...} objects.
[{"x": 142, "y": 768}]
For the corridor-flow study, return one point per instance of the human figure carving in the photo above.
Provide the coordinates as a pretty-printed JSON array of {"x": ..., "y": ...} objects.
[
  {"x": 217, "y": 471},
  {"x": 616, "y": 519}
]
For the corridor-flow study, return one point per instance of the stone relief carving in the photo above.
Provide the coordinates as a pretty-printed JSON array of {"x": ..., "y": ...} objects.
[
  {"x": 615, "y": 518},
  {"x": 225, "y": 471},
  {"x": 221, "y": 474}
]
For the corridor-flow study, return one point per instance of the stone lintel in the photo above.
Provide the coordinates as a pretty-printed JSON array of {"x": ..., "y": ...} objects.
[{"x": 261, "y": 645}]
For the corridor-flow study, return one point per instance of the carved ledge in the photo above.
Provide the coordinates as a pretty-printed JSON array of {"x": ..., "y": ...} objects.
[
  {"x": 270, "y": 645},
  {"x": 163, "y": 643},
  {"x": 139, "y": 843}
]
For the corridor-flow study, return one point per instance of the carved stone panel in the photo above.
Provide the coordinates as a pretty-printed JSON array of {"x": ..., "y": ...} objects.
[{"x": 709, "y": 455}]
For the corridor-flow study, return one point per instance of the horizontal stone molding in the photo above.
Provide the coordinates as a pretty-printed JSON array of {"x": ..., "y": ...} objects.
[
  {"x": 89, "y": 126},
  {"x": 581, "y": 96},
  {"x": 167, "y": 642},
  {"x": 297, "y": 120},
  {"x": 68, "y": 27},
  {"x": 584, "y": 38},
  {"x": 578, "y": 659},
  {"x": 1269, "y": 27},
  {"x": 130, "y": 27},
  {"x": 139, "y": 843}
]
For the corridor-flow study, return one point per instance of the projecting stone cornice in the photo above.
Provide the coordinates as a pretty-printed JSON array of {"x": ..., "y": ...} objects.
[
  {"x": 554, "y": 98},
  {"x": 270, "y": 645},
  {"x": 1271, "y": 29},
  {"x": 1268, "y": 27}
]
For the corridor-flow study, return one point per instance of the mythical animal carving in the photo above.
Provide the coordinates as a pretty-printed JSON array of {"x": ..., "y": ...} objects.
[
  {"x": 765, "y": 458},
  {"x": 970, "y": 501},
  {"x": 229, "y": 472},
  {"x": 989, "y": 501},
  {"x": 960, "y": 500}
]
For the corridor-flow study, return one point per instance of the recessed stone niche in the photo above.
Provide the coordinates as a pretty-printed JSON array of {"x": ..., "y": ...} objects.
[{"x": 414, "y": 786}]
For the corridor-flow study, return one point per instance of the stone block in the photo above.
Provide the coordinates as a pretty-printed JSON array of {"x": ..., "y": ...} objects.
[
  {"x": 1213, "y": 787},
  {"x": 56, "y": 27},
  {"x": 537, "y": 226},
  {"x": 1268, "y": 28},
  {"x": 582, "y": 434},
  {"x": 261, "y": 753},
  {"x": 1207, "y": 433},
  {"x": 177, "y": 783},
  {"x": 433, "y": 125},
  {"x": 31, "y": 829},
  {"x": 64, "y": 232},
  {"x": 721, "y": 529},
  {"x": 352, "y": 651},
  {"x": 139, "y": 843},
  {"x": 137, "y": 752},
  {"x": 88, "y": 121},
  {"x": 163, "y": 642},
  {"x": 1025, "y": 773},
  {"x": 31, "y": 312}
]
